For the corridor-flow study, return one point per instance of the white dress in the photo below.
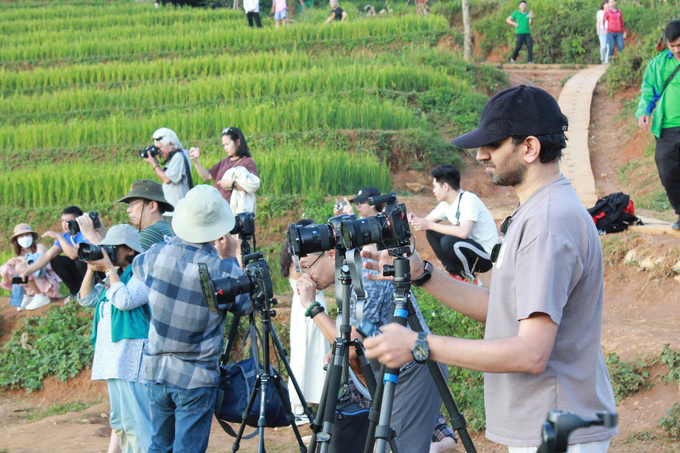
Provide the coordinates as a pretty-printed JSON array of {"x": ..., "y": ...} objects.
[{"x": 307, "y": 349}]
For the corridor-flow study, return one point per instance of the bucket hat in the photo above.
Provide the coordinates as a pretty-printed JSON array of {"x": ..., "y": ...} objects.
[
  {"x": 123, "y": 234},
  {"x": 202, "y": 215},
  {"x": 148, "y": 190},
  {"x": 23, "y": 228}
]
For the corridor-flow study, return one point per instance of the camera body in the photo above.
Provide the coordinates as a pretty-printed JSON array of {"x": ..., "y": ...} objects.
[
  {"x": 388, "y": 230},
  {"x": 90, "y": 252},
  {"x": 74, "y": 228},
  {"x": 244, "y": 226},
  {"x": 220, "y": 294},
  {"x": 150, "y": 150}
]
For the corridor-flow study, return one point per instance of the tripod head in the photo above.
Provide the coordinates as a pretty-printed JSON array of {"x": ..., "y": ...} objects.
[{"x": 560, "y": 424}]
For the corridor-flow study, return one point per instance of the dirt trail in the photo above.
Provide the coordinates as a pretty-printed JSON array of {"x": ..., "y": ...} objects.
[{"x": 641, "y": 314}]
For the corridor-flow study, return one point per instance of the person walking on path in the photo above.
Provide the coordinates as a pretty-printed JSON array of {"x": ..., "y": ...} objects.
[
  {"x": 521, "y": 19},
  {"x": 601, "y": 28},
  {"x": 614, "y": 28},
  {"x": 660, "y": 93}
]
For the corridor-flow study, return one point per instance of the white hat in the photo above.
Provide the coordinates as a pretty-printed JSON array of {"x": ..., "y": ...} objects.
[
  {"x": 202, "y": 215},
  {"x": 123, "y": 234}
]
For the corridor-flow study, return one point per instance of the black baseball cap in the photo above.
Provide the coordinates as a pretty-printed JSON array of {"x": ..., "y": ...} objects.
[
  {"x": 365, "y": 193},
  {"x": 520, "y": 110}
]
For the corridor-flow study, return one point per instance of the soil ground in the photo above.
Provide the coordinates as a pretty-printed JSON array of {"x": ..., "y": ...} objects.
[{"x": 641, "y": 313}]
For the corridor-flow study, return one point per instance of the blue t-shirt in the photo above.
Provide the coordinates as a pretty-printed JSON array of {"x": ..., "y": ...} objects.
[{"x": 72, "y": 240}]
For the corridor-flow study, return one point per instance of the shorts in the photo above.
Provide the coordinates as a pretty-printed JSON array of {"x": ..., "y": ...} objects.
[{"x": 280, "y": 14}]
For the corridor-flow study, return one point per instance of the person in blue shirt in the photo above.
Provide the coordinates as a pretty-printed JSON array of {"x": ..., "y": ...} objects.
[{"x": 68, "y": 268}]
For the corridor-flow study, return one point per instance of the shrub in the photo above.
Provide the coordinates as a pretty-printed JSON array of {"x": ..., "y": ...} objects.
[
  {"x": 671, "y": 422},
  {"x": 626, "y": 379}
]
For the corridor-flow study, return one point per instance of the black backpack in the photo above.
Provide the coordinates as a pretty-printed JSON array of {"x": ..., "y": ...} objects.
[{"x": 614, "y": 213}]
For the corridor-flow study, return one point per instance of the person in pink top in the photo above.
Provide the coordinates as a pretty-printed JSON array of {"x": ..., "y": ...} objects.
[
  {"x": 279, "y": 9},
  {"x": 615, "y": 30}
]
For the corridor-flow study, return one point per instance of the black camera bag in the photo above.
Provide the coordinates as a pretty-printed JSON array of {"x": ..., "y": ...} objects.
[{"x": 350, "y": 427}]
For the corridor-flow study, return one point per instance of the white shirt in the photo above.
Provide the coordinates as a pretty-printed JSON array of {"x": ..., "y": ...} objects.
[
  {"x": 251, "y": 5},
  {"x": 484, "y": 231}
]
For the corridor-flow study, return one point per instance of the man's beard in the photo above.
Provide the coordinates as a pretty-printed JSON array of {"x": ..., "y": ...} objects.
[{"x": 510, "y": 176}]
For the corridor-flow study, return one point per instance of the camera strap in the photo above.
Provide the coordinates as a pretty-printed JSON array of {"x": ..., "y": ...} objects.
[
  {"x": 187, "y": 167},
  {"x": 355, "y": 264}
]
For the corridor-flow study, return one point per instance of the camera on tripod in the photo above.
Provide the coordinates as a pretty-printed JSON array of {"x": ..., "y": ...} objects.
[
  {"x": 91, "y": 252},
  {"x": 149, "y": 150},
  {"x": 388, "y": 230},
  {"x": 244, "y": 226},
  {"x": 221, "y": 293},
  {"x": 74, "y": 228}
]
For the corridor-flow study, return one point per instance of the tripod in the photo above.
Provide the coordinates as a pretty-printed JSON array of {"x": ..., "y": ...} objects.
[
  {"x": 384, "y": 395},
  {"x": 338, "y": 372}
]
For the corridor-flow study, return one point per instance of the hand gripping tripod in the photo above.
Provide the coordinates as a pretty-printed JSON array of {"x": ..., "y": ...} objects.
[{"x": 381, "y": 411}]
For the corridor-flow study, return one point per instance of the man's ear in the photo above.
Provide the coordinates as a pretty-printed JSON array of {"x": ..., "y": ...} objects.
[
  {"x": 153, "y": 206},
  {"x": 531, "y": 149}
]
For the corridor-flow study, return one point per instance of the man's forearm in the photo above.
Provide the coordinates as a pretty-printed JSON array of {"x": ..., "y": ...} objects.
[
  {"x": 161, "y": 174},
  {"x": 450, "y": 230},
  {"x": 469, "y": 300}
]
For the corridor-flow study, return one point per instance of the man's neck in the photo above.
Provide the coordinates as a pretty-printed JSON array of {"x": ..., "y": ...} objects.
[
  {"x": 452, "y": 195},
  {"x": 152, "y": 220},
  {"x": 535, "y": 178}
]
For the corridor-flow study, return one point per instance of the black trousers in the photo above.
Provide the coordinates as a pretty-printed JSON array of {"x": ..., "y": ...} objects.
[
  {"x": 520, "y": 39},
  {"x": 459, "y": 255},
  {"x": 667, "y": 157},
  {"x": 256, "y": 16},
  {"x": 71, "y": 272}
]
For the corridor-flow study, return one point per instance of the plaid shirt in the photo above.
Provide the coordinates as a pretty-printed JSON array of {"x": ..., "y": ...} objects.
[{"x": 185, "y": 339}]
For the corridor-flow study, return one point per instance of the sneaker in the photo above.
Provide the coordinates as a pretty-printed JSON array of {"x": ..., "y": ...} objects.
[
  {"x": 531, "y": 62},
  {"x": 39, "y": 300},
  {"x": 676, "y": 225},
  {"x": 25, "y": 302},
  {"x": 478, "y": 281},
  {"x": 301, "y": 419},
  {"x": 512, "y": 61}
]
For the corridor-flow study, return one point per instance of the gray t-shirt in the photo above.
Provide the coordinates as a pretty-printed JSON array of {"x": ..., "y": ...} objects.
[
  {"x": 176, "y": 171},
  {"x": 550, "y": 262}
]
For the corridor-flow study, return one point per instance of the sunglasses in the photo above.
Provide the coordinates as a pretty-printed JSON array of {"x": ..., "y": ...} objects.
[
  {"x": 227, "y": 130},
  {"x": 158, "y": 139},
  {"x": 497, "y": 248}
]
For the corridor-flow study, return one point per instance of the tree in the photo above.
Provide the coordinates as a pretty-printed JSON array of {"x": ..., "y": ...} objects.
[{"x": 467, "y": 31}]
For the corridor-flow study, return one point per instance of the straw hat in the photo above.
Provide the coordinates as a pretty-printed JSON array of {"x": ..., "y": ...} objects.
[
  {"x": 202, "y": 215},
  {"x": 23, "y": 228}
]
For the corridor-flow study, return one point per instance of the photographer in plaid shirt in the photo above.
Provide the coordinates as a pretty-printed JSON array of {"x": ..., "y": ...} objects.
[{"x": 185, "y": 339}]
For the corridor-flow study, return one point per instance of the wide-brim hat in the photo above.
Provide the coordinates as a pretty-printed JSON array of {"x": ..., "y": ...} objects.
[
  {"x": 23, "y": 228},
  {"x": 123, "y": 234},
  {"x": 520, "y": 111},
  {"x": 148, "y": 190},
  {"x": 202, "y": 215}
]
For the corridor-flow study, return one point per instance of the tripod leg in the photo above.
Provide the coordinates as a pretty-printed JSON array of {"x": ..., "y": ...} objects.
[
  {"x": 249, "y": 407},
  {"x": 262, "y": 421},
  {"x": 289, "y": 412},
  {"x": 335, "y": 372}
]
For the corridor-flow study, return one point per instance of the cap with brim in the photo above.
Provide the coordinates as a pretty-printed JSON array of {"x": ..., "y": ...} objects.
[
  {"x": 123, "y": 234},
  {"x": 21, "y": 229},
  {"x": 520, "y": 111},
  {"x": 148, "y": 190},
  {"x": 202, "y": 215},
  {"x": 365, "y": 193}
]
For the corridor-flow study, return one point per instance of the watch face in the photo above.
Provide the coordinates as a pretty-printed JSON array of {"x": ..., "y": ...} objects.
[{"x": 420, "y": 351}]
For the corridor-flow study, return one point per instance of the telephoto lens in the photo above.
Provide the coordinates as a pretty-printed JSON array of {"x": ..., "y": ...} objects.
[
  {"x": 304, "y": 240},
  {"x": 90, "y": 252}
]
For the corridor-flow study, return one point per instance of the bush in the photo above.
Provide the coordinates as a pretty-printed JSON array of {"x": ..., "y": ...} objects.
[
  {"x": 626, "y": 379},
  {"x": 672, "y": 359}
]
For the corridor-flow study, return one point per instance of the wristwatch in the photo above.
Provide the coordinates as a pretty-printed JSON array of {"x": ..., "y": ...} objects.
[
  {"x": 109, "y": 272},
  {"x": 425, "y": 276},
  {"x": 420, "y": 351}
]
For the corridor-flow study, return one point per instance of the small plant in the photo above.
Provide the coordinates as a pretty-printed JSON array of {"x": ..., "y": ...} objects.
[
  {"x": 58, "y": 408},
  {"x": 671, "y": 422},
  {"x": 626, "y": 379},
  {"x": 672, "y": 359}
]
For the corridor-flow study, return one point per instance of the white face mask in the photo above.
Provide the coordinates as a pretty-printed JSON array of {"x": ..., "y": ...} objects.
[{"x": 25, "y": 241}]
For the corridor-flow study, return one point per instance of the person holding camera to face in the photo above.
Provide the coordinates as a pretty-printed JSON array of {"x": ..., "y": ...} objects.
[
  {"x": 69, "y": 269},
  {"x": 119, "y": 335},
  {"x": 543, "y": 313},
  {"x": 43, "y": 284},
  {"x": 185, "y": 337},
  {"x": 146, "y": 205},
  {"x": 417, "y": 402},
  {"x": 361, "y": 203},
  {"x": 176, "y": 172},
  {"x": 236, "y": 175}
]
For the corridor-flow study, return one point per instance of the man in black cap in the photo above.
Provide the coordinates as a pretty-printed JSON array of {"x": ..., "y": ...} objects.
[
  {"x": 361, "y": 202},
  {"x": 146, "y": 205},
  {"x": 541, "y": 348}
]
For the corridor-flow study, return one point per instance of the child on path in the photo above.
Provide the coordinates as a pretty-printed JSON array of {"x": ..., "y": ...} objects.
[{"x": 279, "y": 9}]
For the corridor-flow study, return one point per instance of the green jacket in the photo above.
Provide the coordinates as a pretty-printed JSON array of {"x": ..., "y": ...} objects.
[{"x": 652, "y": 83}]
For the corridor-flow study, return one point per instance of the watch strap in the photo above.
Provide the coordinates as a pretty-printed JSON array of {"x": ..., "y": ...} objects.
[{"x": 425, "y": 276}]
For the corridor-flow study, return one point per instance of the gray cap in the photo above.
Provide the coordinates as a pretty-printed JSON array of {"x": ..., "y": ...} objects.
[{"x": 123, "y": 234}]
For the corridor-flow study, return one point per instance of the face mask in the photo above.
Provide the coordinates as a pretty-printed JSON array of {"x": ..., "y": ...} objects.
[{"x": 25, "y": 241}]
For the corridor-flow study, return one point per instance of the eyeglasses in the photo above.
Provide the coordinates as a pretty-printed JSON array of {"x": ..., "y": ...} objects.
[
  {"x": 497, "y": 248},
  {"x": 304, "y": 271}
]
